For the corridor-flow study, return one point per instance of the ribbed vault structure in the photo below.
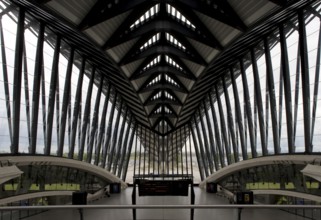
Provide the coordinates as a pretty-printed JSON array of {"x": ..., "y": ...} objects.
[{"x": 147, "y": 86}]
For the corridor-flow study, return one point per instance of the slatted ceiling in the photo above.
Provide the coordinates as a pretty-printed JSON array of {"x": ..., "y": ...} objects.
[
  {"x": 195, "y": 68},
  {"x": 251, "y": 11},
  {"x": 248, "y": 11},
  {"x": 186, "y": 82},
  {"x": 207, "y": 52},
  {"x": 72, "y": 10},
  {"x": 101, "y": 32},
  {"x": 133, "y": 66},
  {"x": 223, "y": 32},
  {"x": 176, "y": 108},
  {"x": 139, "y": 82},
  {"x": 180, "y": 95},
  {"x": 149, "y": 109},
  {"x": 173, "y": 120},
  {"x": 121, "y": 50},
  {"x": 145, "y": 96}
]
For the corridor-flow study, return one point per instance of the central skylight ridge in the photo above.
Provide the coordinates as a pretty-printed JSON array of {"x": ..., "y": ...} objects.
[
  {"x": 152, "y": 63},
  {"x": 157, "y": 96},
  {"x": 175, "y": 42},
  {"x": 178, "y": 15},
  {"x": 151, "y": 41},
  {"x": 171, "y": 62},
  {"x": 170, "y": 80},
  {"x": 155, "y": 80},
  {"x": 145, "y": 17}
]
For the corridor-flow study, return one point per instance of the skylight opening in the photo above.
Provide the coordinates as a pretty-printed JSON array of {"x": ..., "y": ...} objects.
[
  {"x": 167, "y": 110},
  {"x": 159, "y": 110},
  {"x": 178, "y": 15},
  {"x": 157, "y": 96},
  {"x": 152, "y": 63},
  {"x": 151, "y": 41},
  {"x": 171, "y": 62},
  {"x": 145, "y": 17},
  {"x": 174, "y": 41},
  {"x": 164, "y": 123},
  {"x": 169, "y": 96},
  {"x": 170, "y": 80},
  {"x": 155, "y": 80}
]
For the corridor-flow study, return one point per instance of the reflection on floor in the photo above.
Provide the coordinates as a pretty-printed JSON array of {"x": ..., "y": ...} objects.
[{"x": 200, "y": 214}]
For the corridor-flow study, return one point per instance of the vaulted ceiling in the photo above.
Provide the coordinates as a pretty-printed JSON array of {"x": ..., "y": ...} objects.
[{"x": 166, "y": 55}]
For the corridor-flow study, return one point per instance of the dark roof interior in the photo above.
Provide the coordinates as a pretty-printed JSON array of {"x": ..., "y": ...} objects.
[{"x": 163, "y": 56}]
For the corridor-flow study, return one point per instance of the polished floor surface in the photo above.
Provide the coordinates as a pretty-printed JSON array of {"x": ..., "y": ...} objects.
[{"x": 160, "y": 214}]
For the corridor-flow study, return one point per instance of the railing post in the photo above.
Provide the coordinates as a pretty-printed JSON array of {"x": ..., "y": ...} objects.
[{"x": 239, "y": 213}]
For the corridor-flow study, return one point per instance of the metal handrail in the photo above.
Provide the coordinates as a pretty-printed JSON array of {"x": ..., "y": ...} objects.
[{"x": 223, "y": 206}]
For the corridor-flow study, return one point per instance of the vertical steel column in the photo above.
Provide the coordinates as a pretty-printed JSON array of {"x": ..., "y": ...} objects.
[
  {"x": 102, "y": 128},
  {"x": 267, "y": 107},
  {"x": 52, "y": 94},
  {"x": 17, "y": 81},
  {"x": 190, "y": 151},
  {"x": 163, "y": 149},
  {"x": 86, "y": 116},
  {"x": 205, "y": 138},
  {"x": 172, "y": 149},
  {"x": 36, "y": 88},
  {"x": 5, "y": 80},
  {"x": 43, "y": 102},
  {"x": 57, "y": 102},
  {"x": 296, "y": 97},
  {"x": 154, "y": 157},
  {"x": 94, "y": 123},
  {"x": 247, "y": 102},
  {"x": 181, "y": 147},
  {"x": 199, "y": 161},
  {"x": 158, "y": 153},
  {"x": 76, "y": 109},
  {"x": 136, "y": 137},
  {"x": 125, "y": 146},
  {"x": 201, "y": 146},
  {"x": 259, "y": 101},
  {"x": 239, "y": 115},
  {"x": 149, "y": 150},
  {"x": 255, "y": 119},
  {"x": 223, "y": 126},
  {"x": 287, "y": 89},
  {"x": 114, "y": 139},
  {"x": 140, "y": 150},
  {"x": 145, "y": 147},
  {"x": 170, "y": 143},
  {"x": 186, "y": 157},
  {"x": 119, "y": 144},
  {"x": 316, "y": 84},
  {"x": 305, "y": 82},
  {"x": 65, "y": 100},
  {"x": 213, "y": 153},
  {"x": 176, "y": 149},
  {"x": 280, "y": 105},
  {"x": 108, "y": 132},
  {"x": 130, "y": 145},
  {"x": 230, "y": 121},
  {"x": 27, "y": 99},
  {"x": 69, "y": 121},
  {"x": 270, "y": 80},
  {"x": 217, "y": 133}
]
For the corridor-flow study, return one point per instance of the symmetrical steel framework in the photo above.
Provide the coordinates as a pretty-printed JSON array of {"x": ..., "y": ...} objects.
[{"x": 59, "y": 98}]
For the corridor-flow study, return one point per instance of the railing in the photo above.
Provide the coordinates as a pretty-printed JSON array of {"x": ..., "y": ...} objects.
[{"x": 81, "y": 208}]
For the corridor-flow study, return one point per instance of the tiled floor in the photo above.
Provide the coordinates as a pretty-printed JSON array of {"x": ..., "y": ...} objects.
[{"x": 201, "y": 214}]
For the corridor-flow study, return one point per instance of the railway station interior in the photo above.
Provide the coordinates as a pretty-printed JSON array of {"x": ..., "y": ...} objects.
[{"x": 160, "y": 102}]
